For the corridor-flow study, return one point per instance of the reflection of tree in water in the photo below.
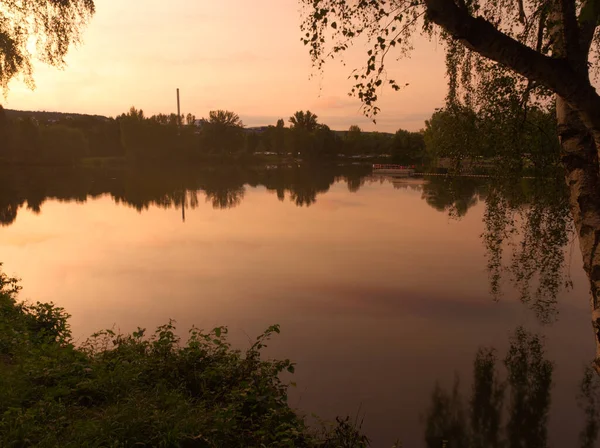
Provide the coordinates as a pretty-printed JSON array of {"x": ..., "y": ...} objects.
[
  {"x": 455, "y": 195},
  {"x": 8, "y": 214},
  {"x": 354, "y": 181},
  {"x": 527, "y": 225},
  {"x": 589, "y": 401},
  {"x": 225, "y": 198},
  {"x": 534, "y": 222},
  {"x": 141, "y": 188},
  {"x": 525, "y": 395},
  {"x": 32, "y": 187},
  {"x": 528, "y": 217}
]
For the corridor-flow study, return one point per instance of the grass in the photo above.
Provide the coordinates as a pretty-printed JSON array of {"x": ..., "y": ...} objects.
[{"x": 141, "y": 390}]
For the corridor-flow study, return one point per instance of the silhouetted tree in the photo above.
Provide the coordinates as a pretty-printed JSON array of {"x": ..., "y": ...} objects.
[
  {"x": 528, "y": 384},
  {"x": 225, "y": 118},
  {"x": 223, "y": 132},
  {"x": 62, "y": 145},
  {"x": 52, "y": 26},
  {"x": 408, "y": 147},
  {"x": 190, "y": 119},
  {"x": 252, "y": 142},
  {"x": 306, "y": 121}
]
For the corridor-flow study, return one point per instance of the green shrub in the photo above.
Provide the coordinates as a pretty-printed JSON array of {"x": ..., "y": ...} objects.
[{"x": 131, "y": 390}]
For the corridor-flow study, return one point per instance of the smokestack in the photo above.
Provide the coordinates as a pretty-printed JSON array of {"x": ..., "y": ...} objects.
[{"x": 178, "y": 109}]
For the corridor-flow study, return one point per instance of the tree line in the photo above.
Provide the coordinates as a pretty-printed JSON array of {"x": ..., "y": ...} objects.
[
  {"x": 65, "y": 139},
  {"x": 456, "y": 138},
  {"x": 466, "y": 136}
]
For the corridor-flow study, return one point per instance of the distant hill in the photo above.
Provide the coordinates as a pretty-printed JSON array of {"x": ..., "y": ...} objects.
[
  {"x": 44, "y": 116},
  {"x": 51, "y": 116}
]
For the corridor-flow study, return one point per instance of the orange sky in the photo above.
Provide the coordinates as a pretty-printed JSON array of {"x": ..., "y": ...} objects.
[{"x": 232, "y": 54}]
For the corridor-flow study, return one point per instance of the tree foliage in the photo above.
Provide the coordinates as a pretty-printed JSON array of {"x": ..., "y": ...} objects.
[
  {"x": 54, "y": 26},
  {"x": 479, "y": 423},
  {"x": 306, "y": 121},
  {"x": 143, "y": 390},
  {"x": 224, "y": 118},
  {"x": 498, "y": 52}
]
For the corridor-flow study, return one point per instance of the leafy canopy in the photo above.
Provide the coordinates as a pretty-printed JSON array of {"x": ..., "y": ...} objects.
[
  {"x": 224, "y": 118},
  {"x": 45, "y": 29},
  {"x": 304, "y": 120},
  {"x": 499, "y": 52}
]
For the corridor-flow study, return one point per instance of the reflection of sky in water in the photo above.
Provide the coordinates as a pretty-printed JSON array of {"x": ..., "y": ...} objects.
[{"x": 378, "y": 294}]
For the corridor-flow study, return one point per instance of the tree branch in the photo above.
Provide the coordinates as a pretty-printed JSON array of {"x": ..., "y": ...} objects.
[
  {"x": 540, "y": 33},
  {"x": 556, "y": 74},
  {"x": 571, "y": 34},
  {"x": 522, "y": 16},
  {"x": 589, "y": 17}
]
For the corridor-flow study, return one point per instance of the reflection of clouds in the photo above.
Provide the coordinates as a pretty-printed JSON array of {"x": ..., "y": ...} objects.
[
  {"x": 22, "y": 240},
  {"x": 334, "y": 204},
  {"x": 378, "y": 301}
]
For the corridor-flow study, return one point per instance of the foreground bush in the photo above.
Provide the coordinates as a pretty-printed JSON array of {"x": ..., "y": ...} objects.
[{"x": 131, "y": 390}]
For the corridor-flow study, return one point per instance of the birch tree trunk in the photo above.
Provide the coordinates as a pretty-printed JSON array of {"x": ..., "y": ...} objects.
[{"x": 579, "y": 156}]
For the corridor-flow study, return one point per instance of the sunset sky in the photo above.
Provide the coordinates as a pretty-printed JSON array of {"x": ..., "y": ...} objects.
[{"x": 231, "y": 54}]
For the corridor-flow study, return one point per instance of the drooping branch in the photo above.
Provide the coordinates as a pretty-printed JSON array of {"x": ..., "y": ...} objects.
[
  {"x": 538, "y": 48},
  {"x": 556, "y": 74}
]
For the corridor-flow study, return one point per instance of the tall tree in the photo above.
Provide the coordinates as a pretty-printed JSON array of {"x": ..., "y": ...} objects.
[
  {"x": 279, "y": 136},
  {"x": 54, "y": 26},
  {"x": 306, "y": 121},
  {"x": 507, "y": 52},
  {"x": 223, "y": 132},
  {"x": 224, "y": 118}
]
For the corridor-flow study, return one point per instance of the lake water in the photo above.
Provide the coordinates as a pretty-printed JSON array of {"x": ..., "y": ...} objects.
[{"x": 381, "y": 288}]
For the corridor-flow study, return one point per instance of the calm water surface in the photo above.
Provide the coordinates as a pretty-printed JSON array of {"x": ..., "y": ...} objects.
[{"x": 379, "y": 294}]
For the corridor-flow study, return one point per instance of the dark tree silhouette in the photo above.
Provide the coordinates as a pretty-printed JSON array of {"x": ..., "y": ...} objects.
[
  {"x": 306, "y": 121},
  {"x": 53, "y": 25},
  {"x": 527, "y": 388}
]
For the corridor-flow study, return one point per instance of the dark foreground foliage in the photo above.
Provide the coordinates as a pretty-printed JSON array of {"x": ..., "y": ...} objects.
[{"x": 131, "y": 390}]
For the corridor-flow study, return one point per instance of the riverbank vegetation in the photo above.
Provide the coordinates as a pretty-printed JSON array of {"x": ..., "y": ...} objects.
[
  {"x": 44, "y": 138},
  {"x": 454, "y": 138},
  {"x": 139, "y": 390}
]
